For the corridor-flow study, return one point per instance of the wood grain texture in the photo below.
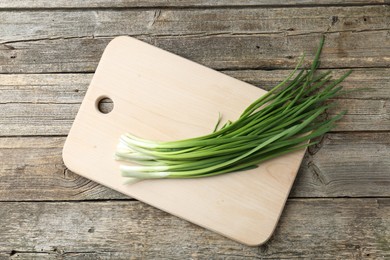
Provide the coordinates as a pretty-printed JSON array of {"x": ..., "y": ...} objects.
[
  {"x": 344, "y": 165},
  {"x": 36, "y": 25},
  {"x": 46, "y": 104},
  {"x": 30, "y": 4},
  {"x": 51, "y": 37},
  {"x": 32, "y": 169},
  {"x": 63, "y": 41},
  {"x": 344, "y": 50},
  {"x": 374, "y": 83},
  {"x": 346, "y": 228}
]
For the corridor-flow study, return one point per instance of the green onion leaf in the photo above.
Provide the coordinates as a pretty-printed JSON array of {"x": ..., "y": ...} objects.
[{"x": 279, "y": 122}]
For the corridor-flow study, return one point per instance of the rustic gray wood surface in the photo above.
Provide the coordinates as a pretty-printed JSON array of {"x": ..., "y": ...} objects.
[{"x": 339, "y": 207}]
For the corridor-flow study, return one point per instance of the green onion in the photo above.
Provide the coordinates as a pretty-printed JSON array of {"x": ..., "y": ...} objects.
[{"x": 282, "y": 121}]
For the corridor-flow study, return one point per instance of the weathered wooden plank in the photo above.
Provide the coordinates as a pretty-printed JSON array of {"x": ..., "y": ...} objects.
[
  {"x": 352, "y": 164},
  {"x": 37, "y": 119},
  {"x": 58, "y": 254},
  {"x": 343, "y": 50},
  {"x": 318, "y": 228},
  {"x": 57, "y": 118},
  {"x": 375, "y": 83},
  {"x": 28, "y": 25},
  {"x": 29, "y": 4},
  {"x": 46, "y": 104},
  {"x": 32, "y": 169},
  {"x": 43, "y": 88},
  {"x": 347, "y": 49},
  {"x": 70, "y": 88}
]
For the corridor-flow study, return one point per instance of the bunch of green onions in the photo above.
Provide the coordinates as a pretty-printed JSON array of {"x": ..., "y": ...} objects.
[{"x": 279, "y": 122}]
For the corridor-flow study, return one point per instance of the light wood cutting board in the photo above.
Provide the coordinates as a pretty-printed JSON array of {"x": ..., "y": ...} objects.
[{"x": 161, "y": 96}]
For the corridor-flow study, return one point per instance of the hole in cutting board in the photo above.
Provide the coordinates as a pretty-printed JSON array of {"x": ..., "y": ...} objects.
[{"x": 104, "y": 105}]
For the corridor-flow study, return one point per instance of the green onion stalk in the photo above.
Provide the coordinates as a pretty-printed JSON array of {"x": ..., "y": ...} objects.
[{"x": 282, "y": 121}]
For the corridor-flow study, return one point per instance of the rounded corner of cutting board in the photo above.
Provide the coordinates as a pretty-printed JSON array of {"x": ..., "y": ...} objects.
[
  {"x": 119, "y": 40},
  {"x": 257, "y": 241},
  {"x": 261, "y": 239},
  {"x": 260, "y": 233},
  {"x": 66, "y": 155}
]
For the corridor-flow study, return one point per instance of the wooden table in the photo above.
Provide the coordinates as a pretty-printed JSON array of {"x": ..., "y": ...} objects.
[{"x": 340, "y": 204}]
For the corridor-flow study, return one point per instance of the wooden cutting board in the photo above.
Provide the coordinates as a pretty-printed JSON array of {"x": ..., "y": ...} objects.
[{"x": 161, "y": 96}]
